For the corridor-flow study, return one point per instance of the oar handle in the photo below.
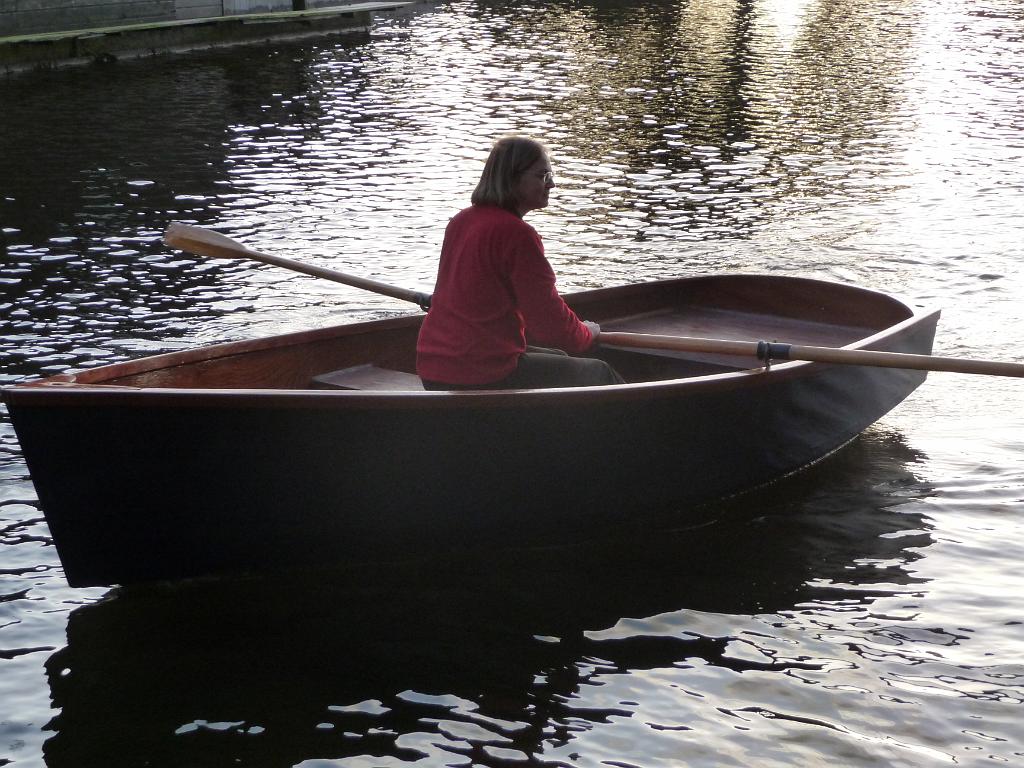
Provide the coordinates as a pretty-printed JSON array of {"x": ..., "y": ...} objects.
[
  {"x": 206, "y": 242},
  {"x": 891, "y": 360},
  {"x": 764, "y": 350},
  {"x": 678, "y": 343}
]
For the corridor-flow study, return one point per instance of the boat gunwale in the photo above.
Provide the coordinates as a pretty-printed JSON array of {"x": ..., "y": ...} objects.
[
  {"x": 67, "y": 389},
  {"x": 57, "y": 394}
]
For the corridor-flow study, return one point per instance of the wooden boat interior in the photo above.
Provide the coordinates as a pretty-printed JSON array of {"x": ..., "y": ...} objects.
[{"x": 380, "y": 355}]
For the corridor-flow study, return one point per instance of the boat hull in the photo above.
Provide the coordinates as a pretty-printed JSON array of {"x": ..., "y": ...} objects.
[{"x": 144, "y": 484}]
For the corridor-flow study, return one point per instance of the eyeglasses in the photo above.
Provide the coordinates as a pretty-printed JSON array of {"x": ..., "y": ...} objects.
[{"x": 547, "y": 178}]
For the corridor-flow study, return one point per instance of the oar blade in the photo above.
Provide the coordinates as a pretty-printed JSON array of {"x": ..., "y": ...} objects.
[{"x": 204, "y": 242}]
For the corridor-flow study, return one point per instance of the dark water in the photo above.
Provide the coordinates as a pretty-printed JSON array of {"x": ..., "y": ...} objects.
[{"x": 865, "y": 613}]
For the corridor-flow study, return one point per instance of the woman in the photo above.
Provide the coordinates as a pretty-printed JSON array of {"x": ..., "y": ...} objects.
[{"x": 495, "y": 288}]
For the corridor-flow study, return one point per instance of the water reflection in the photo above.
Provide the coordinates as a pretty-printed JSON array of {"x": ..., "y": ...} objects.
[
  {"x": 712, "y": 119},
  {"x": 84, "y": 204},
  {"x": 484, "y": 653}
]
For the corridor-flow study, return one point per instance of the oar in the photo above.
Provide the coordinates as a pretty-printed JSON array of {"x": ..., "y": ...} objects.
[
  {"x": 206, "y": 242},
  {"x": 766, "y": 351}
]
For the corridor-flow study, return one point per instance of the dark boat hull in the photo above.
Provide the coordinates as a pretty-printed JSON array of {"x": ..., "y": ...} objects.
[{"x": 141, "y": 484}]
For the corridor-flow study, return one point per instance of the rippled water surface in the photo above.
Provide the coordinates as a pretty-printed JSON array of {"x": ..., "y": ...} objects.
[{"x": 865, "y": 613}]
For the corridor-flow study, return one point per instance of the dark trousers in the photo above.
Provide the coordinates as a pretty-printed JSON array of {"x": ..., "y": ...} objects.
[{"x": 541, "y": 368}]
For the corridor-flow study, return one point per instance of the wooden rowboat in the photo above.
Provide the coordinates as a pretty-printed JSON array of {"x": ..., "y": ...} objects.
[{"x": 320, "y": 447}]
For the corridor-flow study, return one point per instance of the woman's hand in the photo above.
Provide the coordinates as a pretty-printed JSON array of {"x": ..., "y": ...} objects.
[{"x": 595, "y": 331}]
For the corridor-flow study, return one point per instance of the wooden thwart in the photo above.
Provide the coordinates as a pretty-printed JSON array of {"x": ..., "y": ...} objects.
[{"x": 369, "y": 377}]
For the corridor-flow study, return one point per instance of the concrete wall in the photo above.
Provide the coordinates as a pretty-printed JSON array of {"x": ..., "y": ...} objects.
[
  {"x": 30, "y": 17},
  {"x": 26, "y": 17},
  {"x": 232, "y": 7},
  {"x": 196, "y": 9}
]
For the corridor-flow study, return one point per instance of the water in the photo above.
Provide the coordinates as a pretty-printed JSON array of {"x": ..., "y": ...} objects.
[{"x": 865, "y": 613}]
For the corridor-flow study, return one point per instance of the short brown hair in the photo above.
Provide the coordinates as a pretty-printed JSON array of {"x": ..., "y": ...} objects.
[{"x": 510, "y": 158}]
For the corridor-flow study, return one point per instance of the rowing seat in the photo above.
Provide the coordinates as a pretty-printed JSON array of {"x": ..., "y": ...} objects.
[{"x": 368, "y": 377}]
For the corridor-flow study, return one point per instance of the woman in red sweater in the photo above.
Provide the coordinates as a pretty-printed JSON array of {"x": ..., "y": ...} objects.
[{"x": 495, "y": 289}]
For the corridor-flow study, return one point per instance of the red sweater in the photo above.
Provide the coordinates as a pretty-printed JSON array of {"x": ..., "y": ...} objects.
[{"x": 494, "y": 288}]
